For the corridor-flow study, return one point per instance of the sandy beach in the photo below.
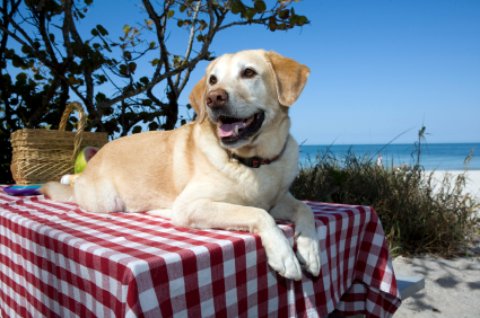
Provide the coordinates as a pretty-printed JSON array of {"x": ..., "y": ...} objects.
[
  {"x": 452, "y": 286},
  {"x": 472, "y": 185}
]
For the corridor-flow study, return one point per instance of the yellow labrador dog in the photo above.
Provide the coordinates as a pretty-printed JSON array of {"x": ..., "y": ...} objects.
[{"x": 230, "y": 169}]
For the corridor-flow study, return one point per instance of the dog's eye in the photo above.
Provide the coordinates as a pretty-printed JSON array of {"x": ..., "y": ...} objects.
[
  {"x": 248, "y": 73},
  {"x": 212, "y": 80}
]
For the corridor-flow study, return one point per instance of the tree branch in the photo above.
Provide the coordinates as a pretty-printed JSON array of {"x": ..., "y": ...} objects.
[
  {"x": 153, "y": 82},
  {"x": 40, "y": 16},
  {"x": 28, "y": 42},
  {"x": 246, "y": 22},
  {"x": 191, "y": 37},
  {"x": 7, "y": 16},
  {"x": 69, "y": 29}
]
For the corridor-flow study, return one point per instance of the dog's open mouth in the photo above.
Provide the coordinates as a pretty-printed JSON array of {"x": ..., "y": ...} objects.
[{"x": 231, "y": 129}]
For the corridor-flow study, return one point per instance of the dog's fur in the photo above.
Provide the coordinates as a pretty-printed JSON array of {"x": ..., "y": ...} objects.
[{"x": 193, "y": 174}]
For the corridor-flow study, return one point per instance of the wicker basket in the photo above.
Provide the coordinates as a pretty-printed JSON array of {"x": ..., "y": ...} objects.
[{"x": 41, "y": 155}]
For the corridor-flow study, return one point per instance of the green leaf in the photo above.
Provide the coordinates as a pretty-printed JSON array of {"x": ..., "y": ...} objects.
[
  {"x": 72, "y": 80},
  {"x": 100, "y": 97},
  {"x": 177, "y": 61},
  {"x": 272, "y": 24},
  {"x": 132, "y": 66},
  {"x": 147, "y": 102},
  {"x": 298, "y": 20},
  {"x": 26, "y": 49},
  {"x": 102, "y": 30},
  {"x": 260, "y": 6},
  {"x": 237, "y": 7},
  {"x": 79, "y": 14},
  {"x": 137, "y": 129},
  {"x": 153, "y": 126},
  {"x": 112, "y": 126},
  {"x": 249, "y": 13},
  {"x": 144, "y": 80},
  {"x": 101, "y": 79},
  {"x": 284, "y": 14},
  {"x": 127, "y": 55},
  {"x": 21, "y": 77},
  {"x": 302, "y": 20},
  {"x": 170, "y": 13},
  {"x": 123, "y": 70}
]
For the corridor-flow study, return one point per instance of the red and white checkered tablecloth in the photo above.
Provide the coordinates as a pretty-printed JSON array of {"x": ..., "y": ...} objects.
[{"x": 59, "y": 261}]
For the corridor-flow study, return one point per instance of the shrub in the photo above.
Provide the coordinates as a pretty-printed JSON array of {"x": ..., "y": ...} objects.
[{"x": 418, "y": 214}]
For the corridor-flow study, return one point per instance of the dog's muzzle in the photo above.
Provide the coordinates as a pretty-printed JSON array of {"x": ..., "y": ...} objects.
[{"x": 232, "y": 129}]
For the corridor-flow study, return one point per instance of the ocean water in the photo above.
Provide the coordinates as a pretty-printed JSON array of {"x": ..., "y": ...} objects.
[{"x": 434, "y": 156}]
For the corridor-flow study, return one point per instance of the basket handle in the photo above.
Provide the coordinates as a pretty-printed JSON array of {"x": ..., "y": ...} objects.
[{"x": 80, "y": 126}]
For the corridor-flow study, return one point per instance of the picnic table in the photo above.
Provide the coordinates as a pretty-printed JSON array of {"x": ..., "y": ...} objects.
[{"x": 57, "y": 260}]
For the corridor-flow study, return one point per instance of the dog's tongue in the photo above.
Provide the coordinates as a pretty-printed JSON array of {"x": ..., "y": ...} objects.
[{"x": 228, "y": 130}]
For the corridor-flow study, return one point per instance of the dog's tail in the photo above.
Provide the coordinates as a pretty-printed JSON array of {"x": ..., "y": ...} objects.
[{"x": 57, "y": 191}]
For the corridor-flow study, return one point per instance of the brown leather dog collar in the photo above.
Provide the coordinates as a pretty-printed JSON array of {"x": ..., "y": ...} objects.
[{"x": 257, "y": 162}]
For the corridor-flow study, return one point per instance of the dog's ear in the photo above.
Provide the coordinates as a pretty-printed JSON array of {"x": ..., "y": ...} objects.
[
  {"x": 197, "y": 98},
  {"x": 291, "y": 77}
]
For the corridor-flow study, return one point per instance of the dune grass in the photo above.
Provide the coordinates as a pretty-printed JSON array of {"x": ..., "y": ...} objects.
[{"x": 418, "y": 215}]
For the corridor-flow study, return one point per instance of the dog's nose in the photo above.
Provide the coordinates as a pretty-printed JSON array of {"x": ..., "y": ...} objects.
[{"x": 217, "y": 98}]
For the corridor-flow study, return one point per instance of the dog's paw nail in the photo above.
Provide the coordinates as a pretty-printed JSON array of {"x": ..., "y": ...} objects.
[
  {"x": 308, "y": 254},
  {"x": 314, "y": 267},
  {"x": 293, "y": 269},
  {"x": 286, "y": 264}
]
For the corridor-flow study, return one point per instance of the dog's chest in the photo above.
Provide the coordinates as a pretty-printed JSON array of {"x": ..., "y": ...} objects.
[{"x": 260, "y": 187}]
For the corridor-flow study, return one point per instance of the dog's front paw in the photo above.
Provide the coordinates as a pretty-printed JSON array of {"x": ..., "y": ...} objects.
[
  {"x": 286, "y": 264},
  {"x": 280, "y": 255},
  {"x": 308, "y": 253}
]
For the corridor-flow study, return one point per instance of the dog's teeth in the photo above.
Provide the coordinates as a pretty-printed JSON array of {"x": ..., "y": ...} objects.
[
  {"x": 249, "y": 120},
  {"x": 236, "y": 129}
]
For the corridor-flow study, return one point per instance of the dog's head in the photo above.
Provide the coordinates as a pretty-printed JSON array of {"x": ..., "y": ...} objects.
[{"x": 242, "y": 94}]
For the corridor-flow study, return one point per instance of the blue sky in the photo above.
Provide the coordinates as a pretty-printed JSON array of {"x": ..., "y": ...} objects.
[{"x": 379, "y": 68}]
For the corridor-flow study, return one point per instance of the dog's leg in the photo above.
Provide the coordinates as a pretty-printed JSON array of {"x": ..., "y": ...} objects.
[
  {"x": 205, "y": 214},
  {"x": 308, "y": 251},
  {"x": 57, "y": 192},
  {"x": 164, "y": 213}
]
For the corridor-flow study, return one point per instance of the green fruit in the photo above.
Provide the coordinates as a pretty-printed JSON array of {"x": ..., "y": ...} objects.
[{"x": 83, "y": 157}]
